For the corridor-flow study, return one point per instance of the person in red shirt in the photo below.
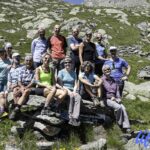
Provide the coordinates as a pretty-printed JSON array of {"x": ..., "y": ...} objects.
[{"x": 57, "y": 46}]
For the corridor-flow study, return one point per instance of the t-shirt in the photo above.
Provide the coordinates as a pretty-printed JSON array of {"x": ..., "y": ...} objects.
[
  {"x": 100, "y": 52},
  {"x": 13, "y": 75},
  {"x": 38, "y": 47},
  {"x": 57, "y": 44},
  {"x": 90, "y": 77},
  {"x": 4, "y": 69},
  {"x": 75, "y": 41},
  {"x": 117, "y": 67},
  {"x": 68, "y": 78}
]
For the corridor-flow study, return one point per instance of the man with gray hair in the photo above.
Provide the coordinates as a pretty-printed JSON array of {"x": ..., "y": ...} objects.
[
  {"x": 25, "y": 82},
  {"x": 111, "y": 97},
  {"x": 38, "y": 47}
]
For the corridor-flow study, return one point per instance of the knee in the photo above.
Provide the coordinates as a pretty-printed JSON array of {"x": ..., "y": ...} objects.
[{"x": 26, "y": 92}]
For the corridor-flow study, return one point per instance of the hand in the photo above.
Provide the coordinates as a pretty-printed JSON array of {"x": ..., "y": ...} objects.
[
  {"x": 125, "y": 78},
  {"x": 113, "y": 98}
]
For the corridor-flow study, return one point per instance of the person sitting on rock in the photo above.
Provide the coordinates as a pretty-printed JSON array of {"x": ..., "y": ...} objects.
[
  {"x": 25, "y": 82},
  {"x": 90, "y": 83},
  {"x": 67, "y": 79},
  {"x": 39, "y": 47},
  {"x": 13, "y": 77},
  {"x": 57, "y": 45},
  {"x": 46, "y": 85},
  {"x": 120, "y": 69},
  {"x": 5, "y": 65},
  {"x": 111, "y": 97},
  {"x": 101, "y": 54}
]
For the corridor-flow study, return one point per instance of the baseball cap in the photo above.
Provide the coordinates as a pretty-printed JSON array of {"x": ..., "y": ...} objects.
[
  {"x": 112, "y": 48},
  {"x": 8, "y": 45}
]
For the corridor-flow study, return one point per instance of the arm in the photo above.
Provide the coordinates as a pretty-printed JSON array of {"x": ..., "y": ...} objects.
[
  {"x": 127, "y": 73},
  {"x": 99, "y": 81},
  {"x": 65, "y": 45},
  {"x": 33, "y": 47},
  {"x": 81, "y": 52},
  {"x": 84, "y": 81}
]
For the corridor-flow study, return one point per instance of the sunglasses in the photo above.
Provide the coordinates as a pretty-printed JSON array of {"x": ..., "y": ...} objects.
[
  {"x": 108, "y": 69},
  {"x": 69, "y": 62}
]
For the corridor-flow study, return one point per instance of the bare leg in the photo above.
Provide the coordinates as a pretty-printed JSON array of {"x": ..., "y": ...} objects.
[{"x": 49, "y": 94}]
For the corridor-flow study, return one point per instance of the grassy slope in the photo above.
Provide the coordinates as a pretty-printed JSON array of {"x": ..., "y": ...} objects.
[{"x": 127, "y": 36}]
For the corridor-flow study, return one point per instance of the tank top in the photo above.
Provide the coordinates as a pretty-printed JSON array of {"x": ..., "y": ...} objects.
[
  {"x": 45, "y": 78},
  {"x": 89, "y": 51}
]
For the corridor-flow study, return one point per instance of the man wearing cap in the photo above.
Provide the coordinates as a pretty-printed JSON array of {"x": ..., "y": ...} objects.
[
  {"x": 117, "y": 65},
  {"x": 25, "y": 82},
  {"x": 5, "y": 65},
  {"x": 8, "y": 48},
  {"x": 13, "y": 76},
  {"x": 38, "y": 47},
  {"x": 57, "y": 46}
]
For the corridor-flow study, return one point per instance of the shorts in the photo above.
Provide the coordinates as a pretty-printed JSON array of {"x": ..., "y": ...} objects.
[{"x": 37, "y": 91}]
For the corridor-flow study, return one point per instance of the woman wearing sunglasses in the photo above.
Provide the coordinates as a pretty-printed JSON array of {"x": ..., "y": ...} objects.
[
  {"x": 46, "y": 85},
  {"x": 111, "y": 96},
  {"x": 67, "y": 79}
]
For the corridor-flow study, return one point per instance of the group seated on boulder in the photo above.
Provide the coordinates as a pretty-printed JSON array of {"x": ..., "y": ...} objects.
[{"x": 51, "y": 73}]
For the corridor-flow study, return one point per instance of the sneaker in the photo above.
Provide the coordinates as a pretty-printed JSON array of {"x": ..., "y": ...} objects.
[
  {"x": 95, "y": 101},
  {"x": 3, "y": 114},
  {"x": 13, "y": 114},
  {"x": 47, "y": 111}
]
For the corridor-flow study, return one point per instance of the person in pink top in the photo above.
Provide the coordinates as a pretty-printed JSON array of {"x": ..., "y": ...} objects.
[{"x": 57, "y": 46}]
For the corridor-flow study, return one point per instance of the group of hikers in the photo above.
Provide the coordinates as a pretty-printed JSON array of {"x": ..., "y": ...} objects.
[{"x": 88, "y": 72}]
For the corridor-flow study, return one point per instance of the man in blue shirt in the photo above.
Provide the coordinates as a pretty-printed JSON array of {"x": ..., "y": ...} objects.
[
  {"x": 39, "y": 47},
  {"x": 120, "y": 68}
]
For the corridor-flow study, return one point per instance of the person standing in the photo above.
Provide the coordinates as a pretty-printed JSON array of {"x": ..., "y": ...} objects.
[
  {"x": 87, "y": 49},
  {"x": 8, "y": 49},
  {"x": 5, "y": 65},
  {"x": 38, "y": 47},
  {"x": 101, "y": 54},
  {"x": 120, "y": 69},
  {"x": 74, "y": 42},
  {"x": 57, "y": 45}
]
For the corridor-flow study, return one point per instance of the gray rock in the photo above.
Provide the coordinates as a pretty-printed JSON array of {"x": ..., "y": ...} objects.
[
  {"x": 144, "y": 73},
  {"x": 74, "y": 11},
  {"x": 48, "y": 130},
  {"x": 142, "y": 89},
  {"x": 131, "y": 145},
  {"x": 44, "y": 145},
  {"x": 142, "y": 98},
  {"x": 50, "y": 120},
  {"x": 11, "y": 147},
  {"x": 99, "y": 132},
  {"x": 130, "y": 97},
  {"x": 96, "y": 145}
]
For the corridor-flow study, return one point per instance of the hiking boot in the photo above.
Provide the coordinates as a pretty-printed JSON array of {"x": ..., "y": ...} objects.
[
  {"x": 74, "y": 122},
  {"x": 47, "y": 111},
  {"x": 13, "y": 114},
  {"x": 95, "y": 101}
]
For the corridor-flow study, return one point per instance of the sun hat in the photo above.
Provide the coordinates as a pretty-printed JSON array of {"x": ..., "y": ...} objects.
[{"x": 15, "y": 54}]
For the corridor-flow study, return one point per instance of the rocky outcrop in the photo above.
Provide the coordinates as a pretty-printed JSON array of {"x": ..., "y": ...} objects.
[{"x": 142, "y": 91}]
